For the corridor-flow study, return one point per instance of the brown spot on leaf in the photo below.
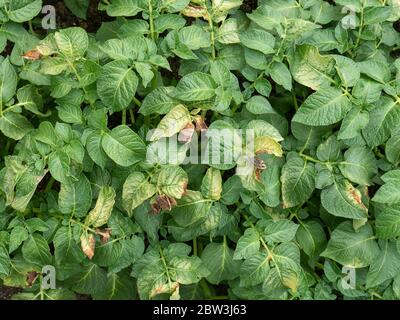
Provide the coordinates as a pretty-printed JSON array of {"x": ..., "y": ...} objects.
[
  {"x": 200, "y": 124},
  {"x": 163, "y": 202},
  {"x": 186, "y": 134},
  {"x": 105, "y": 234},
  {"x": 31, "y": 277},
  {"x": 88, "y": 243},
  {"x": 32, "y": 55}
]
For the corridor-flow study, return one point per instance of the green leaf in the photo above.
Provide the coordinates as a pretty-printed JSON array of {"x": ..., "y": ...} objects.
[
  {"x": 78, "y": 7},
  {"x": 359, "y": 165},
  {"x": 383, "y": 119},
  {"x": 72, "y": 42},
  {"x": 323, "y": 107},
  {"x": 279, "y": 231},
  {"x": 311, "y": 238},
  {"x": 18, "y": 235},
  {"x": 24, "y": 10},
  {"x": 218, "y": 258},
  {"x": 259, "y": 40},
  {"x": 102, "y": 211},
  {"x": 123, "y": 146},
  {"x": 388, "y": 222},
  {"x": 281, "y": 75},
  {"x": 386, "y": 266},
  {"x": 195, "y": 86},
  {"x": 259, "y": 105},
  {"x": 311, "y": 69},
  {"x": 343, "y": 200},
  {"x": 298, "y": 181},
  {"x": 14, "y": 125},
  {"x": 117, "y": 85},
  {"x": 125, "y": 8},
  {"x": 392, "y": 148},
  {"x": 159, "y": 101},
  {"x": 75, "y": 198},
  {"x": 390, "y": 191},
  {"x": 59, "y": 166},
  {"x": 247, "y": 245},
  {"x": 91, "y": 279},
  {"x": 66, "y": 249},
  {"x": 36, "y": 250},
  {"x": 351, "y": 248},
  {"x": 8, "y": 81}
]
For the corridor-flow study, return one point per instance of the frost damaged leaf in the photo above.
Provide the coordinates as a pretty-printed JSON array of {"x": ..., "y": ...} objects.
[
  {"x": 267, "y": 145},
  {"x": 343, "y": 200},
  {"x": 102, "y": 211},
  {"x": 211, "y": 186},
  {"x": 171, "y": 181},
  {"x": 88, "y": 243},
  {"x": 136, "y": 189},
  {"x": 173, "y": 122}
]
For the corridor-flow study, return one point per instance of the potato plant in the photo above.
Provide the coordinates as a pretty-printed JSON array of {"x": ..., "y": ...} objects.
[{"x": 100, "y": 185}]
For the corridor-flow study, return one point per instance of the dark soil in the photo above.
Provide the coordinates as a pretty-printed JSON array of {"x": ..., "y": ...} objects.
[
  {"x": 396, "y": 25},
  {"x": 7, "y": 292},
  {"x": 66, "y": 18},
  {"x": 249, "y": 5}
]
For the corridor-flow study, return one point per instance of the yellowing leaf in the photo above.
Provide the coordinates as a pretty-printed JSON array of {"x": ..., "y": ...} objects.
[
  {"x": 267, "y": 145},
  {"x": 173, "y": 122},
  {"x": 102, "y": 211}
]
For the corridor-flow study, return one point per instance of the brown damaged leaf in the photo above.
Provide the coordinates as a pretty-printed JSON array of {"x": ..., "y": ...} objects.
[
  {"x": 200, "y": 124},
  {"x": 163, "y": 202},
  {"x": 32, "y": 55},
  {"x": 88, "y": 243},
  {"x": 186, "y": 134},
  {"x": 31, "y": 277},
  {"x": 196, "y": 12},
  {"x": 105, "y": 234}
]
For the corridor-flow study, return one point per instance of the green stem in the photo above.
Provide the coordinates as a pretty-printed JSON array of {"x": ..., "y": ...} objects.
[
  {"x": 124, "y": 117},
  {"x": 166, "y": 268},
  {"x": 137, "y": 102},
  {"x": 151, "y": 20},
  {"x": 132, "y": 116},
  {"x": 212, "y": 35},
  {"x": 31, "y": 28},
  {"x": 361, "y": 27}
]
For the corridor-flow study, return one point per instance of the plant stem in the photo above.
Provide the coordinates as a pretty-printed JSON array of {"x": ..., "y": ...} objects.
[
  {"x": 361, "y": 26},
  {"x": 132, "y": 116},
  {"x": 212, "y": 35},
  {"x": 137, "y": 102},
  {"x": 151, "y": 20},
  {"x": 124, "y": 117}
]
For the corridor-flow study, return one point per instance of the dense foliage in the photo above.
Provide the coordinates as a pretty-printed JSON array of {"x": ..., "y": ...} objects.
[{"x": 85, "y": 185}]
